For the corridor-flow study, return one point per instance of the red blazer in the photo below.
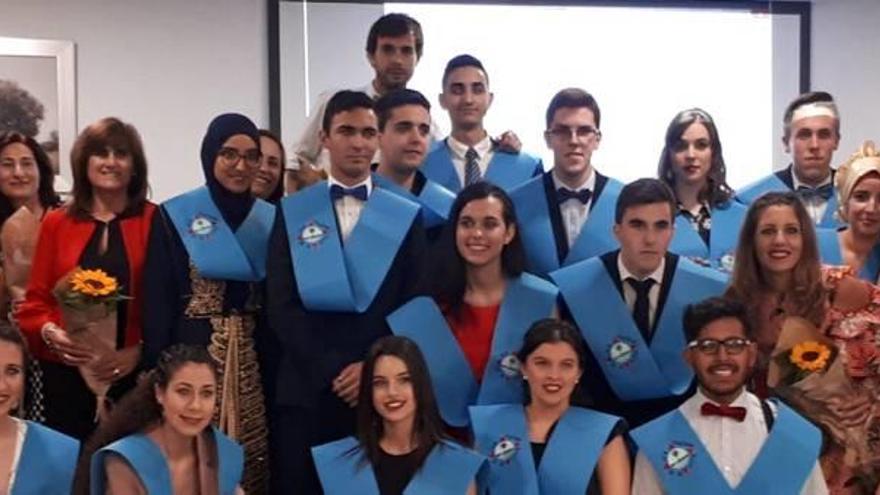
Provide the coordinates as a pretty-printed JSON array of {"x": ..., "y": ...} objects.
[{"x": 59, "y": 247}]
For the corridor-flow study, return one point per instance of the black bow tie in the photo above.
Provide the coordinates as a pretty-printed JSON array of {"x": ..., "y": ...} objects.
[
  {"x": 823, "y": 192},
  {"x": 359, "y": 192},
  {"x": 582, "y": 195}
]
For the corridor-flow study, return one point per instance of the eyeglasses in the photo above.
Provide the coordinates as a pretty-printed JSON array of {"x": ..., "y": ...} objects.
[
  {"x": 231, "y": 156},
  {"x": 581, "y": 133},
  {"x": 733, "y": 345}
]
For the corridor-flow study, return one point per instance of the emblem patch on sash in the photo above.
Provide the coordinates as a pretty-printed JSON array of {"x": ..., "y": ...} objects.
[
  {"x": 313, "y": 234},
  {"x": 202, "y": 226},
  {"x": 678, "y": 458},
  {"x": 510, "y": 365},
  {"x": 621, "y": 352},
  {"x": 505, "y": 449},
  {"x": 727, "y": 262}
]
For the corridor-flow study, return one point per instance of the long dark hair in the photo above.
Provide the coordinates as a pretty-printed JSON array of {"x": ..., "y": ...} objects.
[
  {"x": 450, "y": 279},
  {"x": 550, "y": 331},
  {"x": 716, "y": 192},
  {"x": 138, "y": 409},
  {"x": 278, "y": 192},
  {"x": 46, "y": 187},
  {"x": 11, "y": 335},
  {"x": 427, "y": 427}
]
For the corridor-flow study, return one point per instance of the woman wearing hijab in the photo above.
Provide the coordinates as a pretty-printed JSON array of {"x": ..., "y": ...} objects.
[{"x": 207, "y": 257}]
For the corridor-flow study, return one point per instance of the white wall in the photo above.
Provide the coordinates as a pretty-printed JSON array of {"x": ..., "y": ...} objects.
[
  {"x": 846, "y": 41},
  {"x": 166, "y": 66}
]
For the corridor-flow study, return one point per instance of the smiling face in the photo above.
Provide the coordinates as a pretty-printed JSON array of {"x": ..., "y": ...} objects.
[
  {"x": 778, "y": 239},
  {"x": 552, "y": 371},
  {"x": 863, "y": 206},
  {"x": 19, "y": 174},
  {"x": 11, "y": 377},
  {"x": 481, "y": 232},
  {"x": 393, "y": 395},
  {"x": 189, "y": 399},
  {"x": 692, "y": 155},
  {"x": 237, "y": 163},
  {"x": 110, "y": 171},
  {"x": 722, "y": 375},
  {"x": 270, "y": 171},
  {"x": 466, "y": 97}
]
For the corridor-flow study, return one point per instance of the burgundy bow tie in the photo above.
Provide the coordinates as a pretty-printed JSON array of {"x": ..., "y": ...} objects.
[{"x": 735, "y": 413}]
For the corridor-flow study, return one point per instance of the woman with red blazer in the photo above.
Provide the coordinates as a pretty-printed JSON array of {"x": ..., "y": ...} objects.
[{"x": 105, "y": 226}]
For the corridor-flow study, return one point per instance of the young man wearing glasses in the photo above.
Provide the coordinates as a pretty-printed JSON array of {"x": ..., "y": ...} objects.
[
  {"x": 469, "y": 154},
  {"x": 566, "y": 214},
  {"x": 628, "y": 304},
  {"x": 724, "y": 438}
]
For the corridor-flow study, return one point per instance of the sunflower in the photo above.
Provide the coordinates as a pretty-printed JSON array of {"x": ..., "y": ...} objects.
[
  {"x": 94, "y": 283},
  {"x": 810, "y": 356}
]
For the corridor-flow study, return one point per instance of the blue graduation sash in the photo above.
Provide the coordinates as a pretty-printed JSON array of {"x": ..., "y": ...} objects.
[
  {"x": 218, "y": 252},
  {"x": 526, "y": 300},
  {"x": 47, "y": 462},
  {"x": 634, "y": 370},
  {"x": 726, "y": 223},
  {"x": 536, "y": 228},
  {"x": 505, "y": 170},
  {"x": 435, "y": 200},
  {"x": 501, "y": 434},
  {"x": 151, "y": 467},
  {"x": 830, "y": 254},
  {"x": 343, "y": 470},
  {"x": 684, "y": 466},
  {"x": 333, "y": 277},
  {"x": 772, "y": 183}
]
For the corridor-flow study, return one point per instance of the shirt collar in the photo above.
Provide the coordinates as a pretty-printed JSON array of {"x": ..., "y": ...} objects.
[
  {"x": 797, "y": 182},
  {"x": 740, "y": 401},
  {"x": 657, "y": 274},
  {"x": 459, "y": 149},
  {"x": 590, "y": 183},
  {"x": 331, "y": 181}
]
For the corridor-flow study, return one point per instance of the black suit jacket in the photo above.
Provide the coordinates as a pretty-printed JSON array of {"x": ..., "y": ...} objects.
[{"x": 559, "y": 235}]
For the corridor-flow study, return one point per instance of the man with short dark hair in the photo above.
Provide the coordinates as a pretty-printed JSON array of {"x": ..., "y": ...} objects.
[
  {"x": 811, "y": 134},
  {"x": 723, "y": 438},
  {"x": 566, "y": 214},
  {"x": 469, "y": 154},
  {"x": 343, "y": 255},
  {"x": 628, "y": 305}
]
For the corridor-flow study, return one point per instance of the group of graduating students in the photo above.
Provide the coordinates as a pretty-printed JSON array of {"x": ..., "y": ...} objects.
[{"x": 448, "y": 317}]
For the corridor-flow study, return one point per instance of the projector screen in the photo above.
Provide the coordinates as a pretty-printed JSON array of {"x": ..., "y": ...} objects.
[{"x": 643, "y": 65}]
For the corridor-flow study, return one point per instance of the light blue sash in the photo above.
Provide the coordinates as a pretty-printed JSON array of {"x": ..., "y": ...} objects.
[
  {"x": 343, "y": 470},
  {"x": 726, "y": 222},
  {"x": 536, "y": 229},
  {"x": 570, "y": 457},
  {"x": 505, "y": 170},
  {"x": 435, "y": 200},
  {"x": 830, "y": 254},
  {"x": 684, "y": 466},
  {"x": 635, "y": 370},
  {"x": 47, "y": 462},
  {"x": 148, "y": 462},
  {"x": 829, "y": 218},
  {"x": 755, "y": 190},
  {"x": 333, "y": 277},
  {"x": 526, "y": 300},
  {"x": 218, "y": 252}
]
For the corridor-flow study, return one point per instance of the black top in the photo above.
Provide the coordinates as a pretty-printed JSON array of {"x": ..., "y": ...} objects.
[
  {"x": 593, "y": 487},
  {"x": 112, "y": 261},
  {"x": 394, "y": 472}
]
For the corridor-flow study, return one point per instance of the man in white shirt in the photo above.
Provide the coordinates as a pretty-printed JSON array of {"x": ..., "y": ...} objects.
[
  {"x": 811, "y": 134},
  {"x": 724, "y": 438}
]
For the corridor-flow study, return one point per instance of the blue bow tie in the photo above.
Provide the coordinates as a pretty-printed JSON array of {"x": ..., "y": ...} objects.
[
  {"x": 582, "y": 195},
  {"x": 359, "y": 192},
  {"x": 823, "y": 192}
]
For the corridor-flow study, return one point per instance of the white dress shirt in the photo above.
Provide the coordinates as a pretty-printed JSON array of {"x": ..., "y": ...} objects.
[
  {"x": 20, "y": 434},
  {"x": 732, "y": 445},
  {"x": 629, "y": 294},
  {"x": 815, "y": 205},
  {"x": 458, "y": 149},
  {"x": 348, "y": 208},
  {"x": 574, "y": 213}
]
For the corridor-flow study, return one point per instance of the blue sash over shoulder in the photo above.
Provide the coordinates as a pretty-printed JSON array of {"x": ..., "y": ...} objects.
[
  {"x": 344, "y": 470},
  {"x": 526, "y": 300},
  {"x": 435, "y": 200},
  {"x": 218, "y": 252},
  {"x": 331, "y": 276},
  {"x": 748, "y": 194},
  {"x": 570, "y": 457},
  {"x": 505, "y": 170},
  {"x": 151, "y": 467},
  {"x": 830, "y": 254},
  {"x": 47, "y": 462},
  {"x": 719, "y": 254},
  {"x": 684, "y": 466},
  {"x": 635, "y": 370}
]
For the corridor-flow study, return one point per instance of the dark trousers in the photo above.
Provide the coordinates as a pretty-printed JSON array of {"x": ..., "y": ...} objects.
[{"x": 69, "y": 405}]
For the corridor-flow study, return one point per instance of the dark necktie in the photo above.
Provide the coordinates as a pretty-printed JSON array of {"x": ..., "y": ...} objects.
[
  {"x": 338, "y": 192},
  {"x": 642, "y": 307},
  {"x": 733, "y": 412},
  {"x": 583, "y": 195},
  {"x": 822, "y": 192},
  {"x": 471, "y": 167}
]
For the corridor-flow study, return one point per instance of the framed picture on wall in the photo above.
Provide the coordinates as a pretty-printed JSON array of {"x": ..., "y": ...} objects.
[{"x": 38, "y": 95}]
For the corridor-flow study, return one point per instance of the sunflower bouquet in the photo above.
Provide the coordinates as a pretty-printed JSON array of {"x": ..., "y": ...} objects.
[{"x": 808, "y": 371}]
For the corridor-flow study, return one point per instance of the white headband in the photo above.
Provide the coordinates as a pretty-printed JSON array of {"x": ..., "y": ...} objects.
[{"x": 817, "y": 109}]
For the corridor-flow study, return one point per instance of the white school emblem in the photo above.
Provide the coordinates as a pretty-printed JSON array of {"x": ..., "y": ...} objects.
[
  {"x": 678, "y": 458},
  {"x": 621, "y": 352},
  {"x": 312, "y": 234},
  {"x": 504, "y": 450},
  {"x": 727, "y": 262},
  {"x": 510, "y": 365},
  {"x": 202, "y": 226}
]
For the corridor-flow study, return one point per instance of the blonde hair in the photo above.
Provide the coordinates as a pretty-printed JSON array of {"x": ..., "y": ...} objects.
[{"x": 861, "y": 163}]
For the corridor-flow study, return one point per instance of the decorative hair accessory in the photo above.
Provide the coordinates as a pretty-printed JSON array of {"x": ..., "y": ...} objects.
[
  {"x": 816, "y": 109},
  {"x": 864, "y": 161}
]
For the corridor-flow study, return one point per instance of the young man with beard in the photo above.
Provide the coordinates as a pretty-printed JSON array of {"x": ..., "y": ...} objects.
[{"x": 724, "y": 439}]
